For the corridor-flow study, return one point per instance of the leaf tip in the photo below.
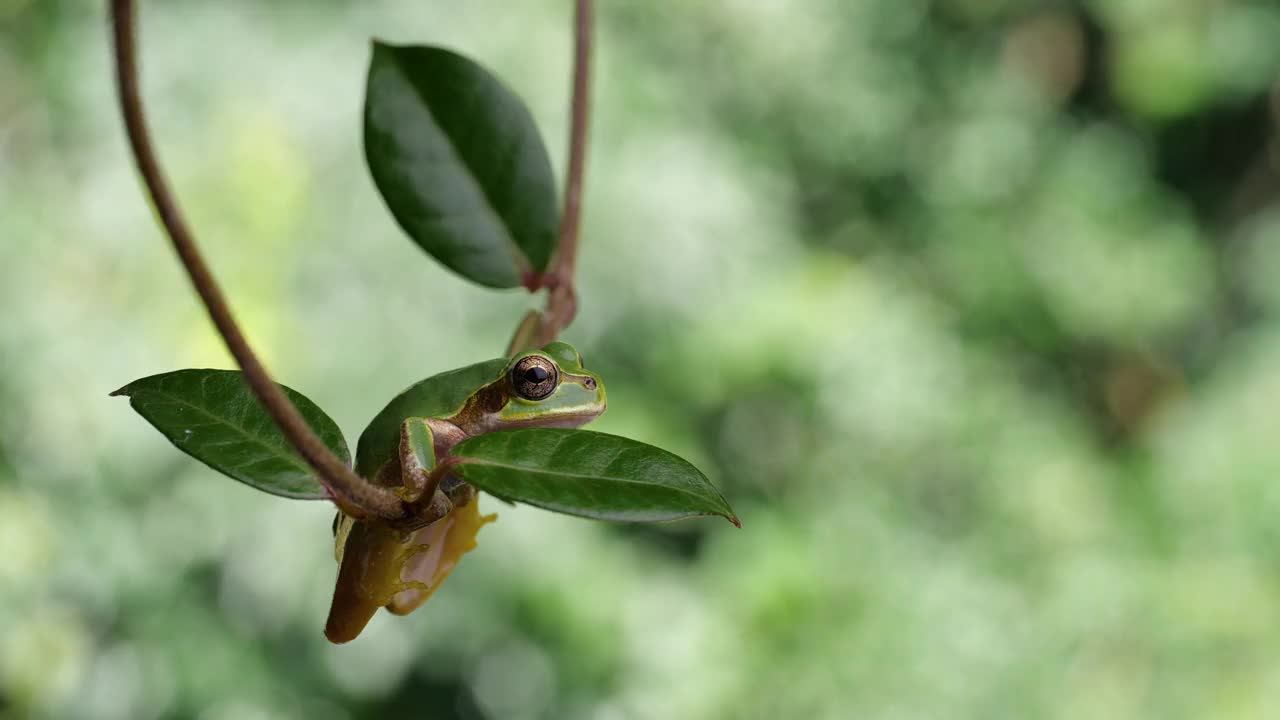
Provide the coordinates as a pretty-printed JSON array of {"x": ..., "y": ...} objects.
[
  {"x": 380, "y": 49},
  {"x": 734, "y": 519},
  {"x": 122, "y": 391}
]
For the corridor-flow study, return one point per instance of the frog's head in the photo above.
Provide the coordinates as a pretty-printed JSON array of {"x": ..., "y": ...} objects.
[{"x": 549, "y": 387}]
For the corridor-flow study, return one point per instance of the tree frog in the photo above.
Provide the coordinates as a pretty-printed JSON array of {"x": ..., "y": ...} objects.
[{"x": 380, "y": 565}]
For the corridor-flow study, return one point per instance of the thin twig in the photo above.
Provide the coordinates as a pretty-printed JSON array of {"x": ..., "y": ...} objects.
[
  {"x": 580, "y": 117},
  {"x": 352, "y": 494},
  {"x": 562, "y": 300}
]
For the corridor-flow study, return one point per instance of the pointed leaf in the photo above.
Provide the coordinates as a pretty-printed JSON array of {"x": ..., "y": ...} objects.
[
  {"x": 460, "y": 164},
  {"x": 214, "y": 417},
  {"x": 589, "y": 474}
]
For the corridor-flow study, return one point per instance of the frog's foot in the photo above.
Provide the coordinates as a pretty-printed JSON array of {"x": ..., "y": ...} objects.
[
  {"x": 371, "y": 574},
  {"x": 447, "y": 540},
  {"x": 409, "y": 551}
]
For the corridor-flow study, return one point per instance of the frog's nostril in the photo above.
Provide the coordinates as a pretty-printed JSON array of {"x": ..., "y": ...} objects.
[{"x": 590, "y": 383}]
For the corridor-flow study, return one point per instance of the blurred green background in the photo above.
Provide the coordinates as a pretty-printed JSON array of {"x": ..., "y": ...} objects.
[{"x": 969, "y": 306}]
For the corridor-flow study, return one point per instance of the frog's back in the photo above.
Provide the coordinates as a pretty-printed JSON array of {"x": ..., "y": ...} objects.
[{"x": 438, "y": 396}]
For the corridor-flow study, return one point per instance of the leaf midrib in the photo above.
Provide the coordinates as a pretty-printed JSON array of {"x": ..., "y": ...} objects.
[
  {"x": 522, "y": 260},
  {"x": 622, "y": 480}
]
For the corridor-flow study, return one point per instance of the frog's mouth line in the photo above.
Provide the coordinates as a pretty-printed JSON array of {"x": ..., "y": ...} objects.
[{"x": 566, "y": 421}]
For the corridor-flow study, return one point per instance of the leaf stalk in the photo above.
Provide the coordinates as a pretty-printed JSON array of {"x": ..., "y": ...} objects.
[{"x": 562, "y": 302}]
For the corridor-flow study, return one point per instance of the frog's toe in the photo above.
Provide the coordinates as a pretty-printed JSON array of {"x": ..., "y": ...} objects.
[{"x": 445, "y": 541}]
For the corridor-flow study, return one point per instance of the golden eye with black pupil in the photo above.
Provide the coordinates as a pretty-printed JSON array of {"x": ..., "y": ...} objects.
[{"x": 535, "y": 377}]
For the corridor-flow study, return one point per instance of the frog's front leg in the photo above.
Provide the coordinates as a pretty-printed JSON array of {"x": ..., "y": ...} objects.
[
  {"x": 421, "y": 441},
  {"x": 416, "y": 458},
  {"x": 445, "y": 542}
]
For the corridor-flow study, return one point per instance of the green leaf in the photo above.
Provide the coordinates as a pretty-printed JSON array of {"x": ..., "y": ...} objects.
[
  {"x": 589, "y": 474},
  {"x": 459, "y": 162},
  {"x": 214, "y": 417}
]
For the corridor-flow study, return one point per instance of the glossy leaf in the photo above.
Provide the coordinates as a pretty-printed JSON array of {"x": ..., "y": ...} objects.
[
  {"x": 214, "y": 417},
  {"x": 589, "y": 474},
  {"x": 460, "y": 164}
]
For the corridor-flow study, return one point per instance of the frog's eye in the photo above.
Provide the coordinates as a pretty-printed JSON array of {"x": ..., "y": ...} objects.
[{"x": 535, "y": 377}]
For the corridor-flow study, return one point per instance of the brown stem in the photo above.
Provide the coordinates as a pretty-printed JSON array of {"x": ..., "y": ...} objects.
[
  {"x": 580, "y": 106},
  {"x": 351, "y": 493},
  {"x": 562, "y": 301}
]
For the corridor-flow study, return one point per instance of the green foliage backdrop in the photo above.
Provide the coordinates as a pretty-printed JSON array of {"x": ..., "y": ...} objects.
[{"x": 968, "y": 306}]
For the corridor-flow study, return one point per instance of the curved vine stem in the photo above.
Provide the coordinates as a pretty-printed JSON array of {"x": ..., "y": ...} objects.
[
  {"x": 353, "y": 495},
  {"x": 562, "y": 302},
  {"x": 580, "y": 109}
]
